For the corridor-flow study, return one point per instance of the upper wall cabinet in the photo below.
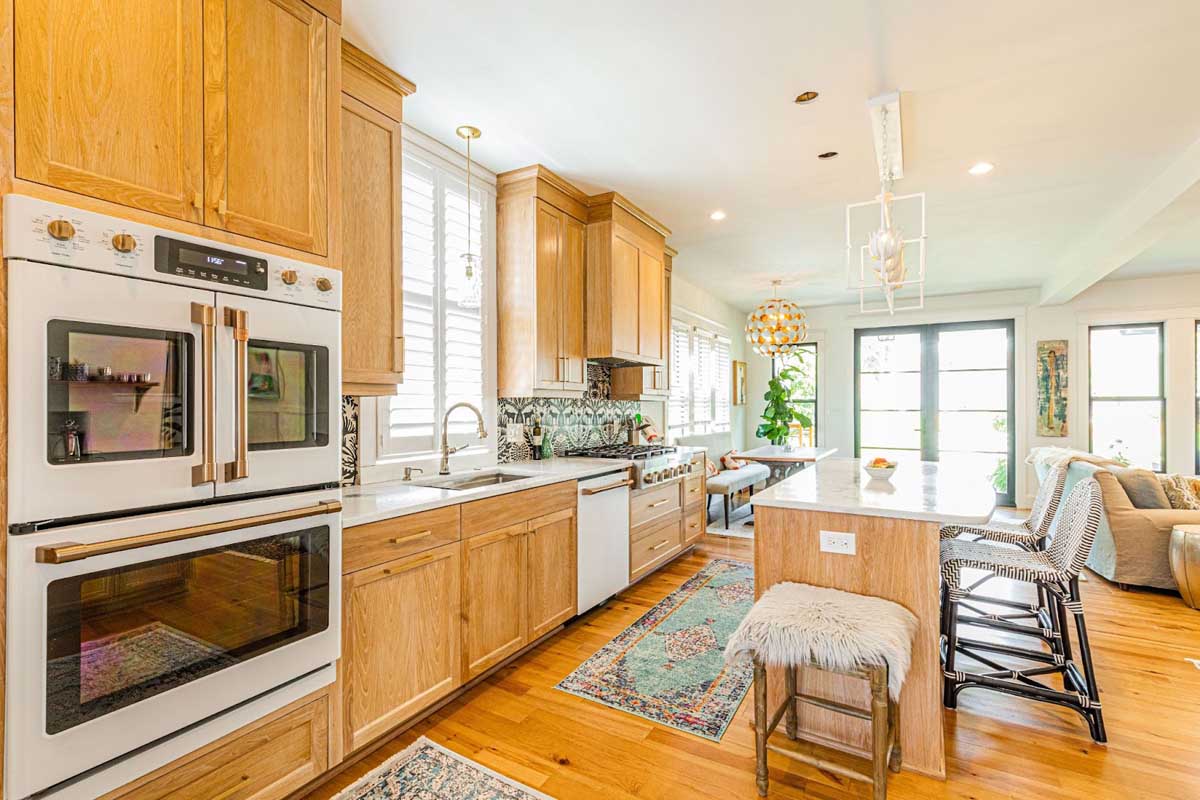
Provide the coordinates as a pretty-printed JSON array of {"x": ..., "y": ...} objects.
[
  {"x": 650, "y": 383},
  {"x": 209, "y": 111},
  {"x": 628, "y": 318},
  {"x": 110, "y": 104},
  {"x": 541, "y": 236},
  {"x": 373, "y": 329}
]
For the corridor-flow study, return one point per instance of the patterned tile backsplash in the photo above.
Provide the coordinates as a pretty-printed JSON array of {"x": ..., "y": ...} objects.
[{"x": 350, "y": 409}]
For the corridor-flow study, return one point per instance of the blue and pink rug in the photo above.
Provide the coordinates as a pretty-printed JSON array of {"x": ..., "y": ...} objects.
[{"x": 669, "y": 666}]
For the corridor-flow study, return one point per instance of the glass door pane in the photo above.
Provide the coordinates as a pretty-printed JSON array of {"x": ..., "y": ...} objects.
[
  {"x": 889, "y": 395},
  {"x": 288, "y": 393},
  {"x": 117, "y": 393},
  {"x": 122, "y": 635}
]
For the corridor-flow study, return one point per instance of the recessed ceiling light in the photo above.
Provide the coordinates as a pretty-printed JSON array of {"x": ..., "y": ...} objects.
[
  {"x": 828, "y": 155},
  {"x": 982, "y": 168},
  {"x": 804, "y": 98},
  {"x": 717, "y": 215}
]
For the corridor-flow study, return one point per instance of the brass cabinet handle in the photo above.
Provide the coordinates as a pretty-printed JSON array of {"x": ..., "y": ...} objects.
[
  {"x": 610, "y": 487},
  {"x": 65, "y": 552},
  {"x": 206, "y": 471},
  {"x": 660, "y": 545},
  {"x": 197, "y": 201},
  {"x": 239, "y": 320},
  {"x": 412, "y": 537},
  {"x": 659, "y": 503}
]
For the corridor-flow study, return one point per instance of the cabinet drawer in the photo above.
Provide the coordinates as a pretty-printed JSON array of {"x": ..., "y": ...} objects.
[
  {"x": 693, "y": 524},
  {"x": 693, "y": 489},
  {"x": 653, "y": 503},
  {"x": 367, "y": 545},
  {"x": 657, "y": 546},
  {"x": 492, "y": 513}
]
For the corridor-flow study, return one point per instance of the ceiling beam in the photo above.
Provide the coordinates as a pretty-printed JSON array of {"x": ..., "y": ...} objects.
[{"x": 1125, "y": 233}]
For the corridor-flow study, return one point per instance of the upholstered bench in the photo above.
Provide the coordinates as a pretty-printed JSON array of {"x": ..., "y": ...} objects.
[{"x": 729, "y": 482}]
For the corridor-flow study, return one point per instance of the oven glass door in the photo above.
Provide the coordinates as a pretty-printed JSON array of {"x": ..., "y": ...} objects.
[
  {"x": 279, "y": 407},
  {"x": 122, "y": 635}
]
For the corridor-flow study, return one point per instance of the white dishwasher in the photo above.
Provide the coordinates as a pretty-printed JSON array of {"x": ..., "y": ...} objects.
[{"x": 602, "y": 527}]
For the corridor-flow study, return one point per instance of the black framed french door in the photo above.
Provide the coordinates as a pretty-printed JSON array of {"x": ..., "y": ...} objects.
[{"x": 942, "y": 393}]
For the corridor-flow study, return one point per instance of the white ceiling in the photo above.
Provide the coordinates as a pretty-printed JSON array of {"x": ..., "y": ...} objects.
[{"x": 687, "y": 107}]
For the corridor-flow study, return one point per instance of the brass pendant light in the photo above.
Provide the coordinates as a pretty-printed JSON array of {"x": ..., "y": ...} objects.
[
  {"x": 472, "y": 292},
  {"x": 777, "y": 327}
]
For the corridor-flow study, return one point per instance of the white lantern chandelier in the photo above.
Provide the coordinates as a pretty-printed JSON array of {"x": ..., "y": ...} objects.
[
  {"x": 881, "y": 260},
  {"x": 471, "y": 295},
  {"x": 777, "y": 327}
]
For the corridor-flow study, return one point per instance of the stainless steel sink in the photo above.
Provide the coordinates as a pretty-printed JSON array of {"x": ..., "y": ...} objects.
[{"x": 474, "y": 480}]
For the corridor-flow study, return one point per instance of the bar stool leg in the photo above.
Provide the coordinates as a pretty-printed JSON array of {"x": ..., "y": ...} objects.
[
  {"x": 793, "y": 725},
  {"x": 760, "y": 726},
  {"x": 879, "y": 731},
  {"x": 950, "y": 631},
  {"x": 896, "y": 760}
]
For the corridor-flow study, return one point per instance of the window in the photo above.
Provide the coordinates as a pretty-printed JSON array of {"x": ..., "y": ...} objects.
[
  {"x": 1127, "y": 405},
  {"x": 804, "y": 363},
  {"x": 701, "y": 381},
  {"x": 940, "y": 393},
  {"x": 444, "y": 347}
]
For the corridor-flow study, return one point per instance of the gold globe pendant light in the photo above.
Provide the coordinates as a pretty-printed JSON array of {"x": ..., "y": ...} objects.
[{"x": 777, "y": 327}]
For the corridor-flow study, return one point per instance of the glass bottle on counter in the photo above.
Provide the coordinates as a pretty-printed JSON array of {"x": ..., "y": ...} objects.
[{"x": 536, "y": 439}]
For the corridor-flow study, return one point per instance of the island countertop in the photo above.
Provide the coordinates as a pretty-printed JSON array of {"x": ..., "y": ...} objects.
[{"x": 917, "y": 491}]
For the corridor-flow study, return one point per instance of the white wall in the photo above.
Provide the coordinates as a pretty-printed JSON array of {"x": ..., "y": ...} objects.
[{"x": 1174, "y": 300}]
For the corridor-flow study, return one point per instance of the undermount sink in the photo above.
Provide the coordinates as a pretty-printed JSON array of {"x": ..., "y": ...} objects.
[{"x": 474, "y": 480}]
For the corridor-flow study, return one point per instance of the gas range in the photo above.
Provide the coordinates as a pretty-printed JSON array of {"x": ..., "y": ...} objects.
[{"x": 652, "y": 464}]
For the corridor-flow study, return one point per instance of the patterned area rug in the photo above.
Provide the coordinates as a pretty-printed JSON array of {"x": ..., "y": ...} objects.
[
  {"x": 669, "y": 666},
  {"x": 428, "y": 771}
]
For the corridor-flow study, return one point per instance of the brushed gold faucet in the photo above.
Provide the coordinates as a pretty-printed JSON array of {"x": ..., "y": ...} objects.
[{"x": 447, "y": 450}]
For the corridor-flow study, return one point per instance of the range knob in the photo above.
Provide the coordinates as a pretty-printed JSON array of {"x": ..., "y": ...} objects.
[
  {"x": 124, "y": 243},
  {"x": 324, "y": 284},
  {"x": 289, "y": 277},
  {"x": 61, "y": 229}
]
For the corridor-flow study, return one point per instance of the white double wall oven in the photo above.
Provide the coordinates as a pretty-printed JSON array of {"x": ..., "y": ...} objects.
[{"x": 174, "y": 510}]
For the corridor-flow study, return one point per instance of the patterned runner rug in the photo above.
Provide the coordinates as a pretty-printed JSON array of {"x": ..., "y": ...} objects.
[
  {"x": 669, "y": 666},
  {"x": 427, "y": 771}
]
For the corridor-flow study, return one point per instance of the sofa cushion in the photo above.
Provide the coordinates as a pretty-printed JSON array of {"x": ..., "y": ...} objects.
[
  {"x": 1142, "y": 486},
  {"x": 1181, "y": 492},
  {"x": 734, "y": 480}
]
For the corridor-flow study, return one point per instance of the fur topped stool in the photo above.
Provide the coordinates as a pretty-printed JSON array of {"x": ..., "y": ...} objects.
[{"x": 795, "y": 625}]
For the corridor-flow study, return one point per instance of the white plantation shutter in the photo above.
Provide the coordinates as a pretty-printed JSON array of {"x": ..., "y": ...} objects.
[
  {"x": 704, "y": 350},
  {"x": 678, "y": 407},
  {"x": 700, "y": 381},
  {"x": 462, "y": 327},
  {"x": 723, "y": 384}
]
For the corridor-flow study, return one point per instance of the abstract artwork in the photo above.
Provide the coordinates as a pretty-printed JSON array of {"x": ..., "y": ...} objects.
[{"x": 1052, "y": 387}]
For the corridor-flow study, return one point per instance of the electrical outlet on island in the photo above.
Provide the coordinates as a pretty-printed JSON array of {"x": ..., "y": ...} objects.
[{"x": 838, "y": 542}]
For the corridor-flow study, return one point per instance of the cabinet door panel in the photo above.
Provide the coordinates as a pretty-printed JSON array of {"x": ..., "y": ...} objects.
[
  {"x": 625, "y": 297},
  {"x": 573, "y": 278},
  {"x": 650, "y": 305},
  {"x": 400, "y": 641},
  {"x": 373, "y": 334},
  {"x": 266, "y": 113},
  {"x": 550, "y": 554},
  {"x": 548, "y": 242},
  {"x": 111, "y": 102},
  {"x": 494, "y": 616}
]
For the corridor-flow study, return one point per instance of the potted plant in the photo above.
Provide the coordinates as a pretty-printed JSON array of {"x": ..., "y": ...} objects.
[{"x": 780, "y": 411}]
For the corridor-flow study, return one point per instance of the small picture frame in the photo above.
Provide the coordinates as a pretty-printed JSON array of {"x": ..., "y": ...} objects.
[{"x": 739, "y": 383}]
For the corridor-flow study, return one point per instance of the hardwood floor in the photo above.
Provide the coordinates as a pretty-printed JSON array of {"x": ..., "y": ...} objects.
[{"x": 517, "y": 723}]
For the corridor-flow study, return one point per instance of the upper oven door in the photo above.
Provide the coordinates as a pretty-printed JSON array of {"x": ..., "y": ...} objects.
[
  {"x": 278, "y": 396},
  {"x": 106, "y": 398}
]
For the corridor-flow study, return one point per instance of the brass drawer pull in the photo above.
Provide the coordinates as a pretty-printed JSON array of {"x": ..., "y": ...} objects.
[
  {"x": 659, "y": 503},
  {"x": 610, "y": 487},
  {"x": 412, "y": 537},
  {"x": 660, "y": 545}
]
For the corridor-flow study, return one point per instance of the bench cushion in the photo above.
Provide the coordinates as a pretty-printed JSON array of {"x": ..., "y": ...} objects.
[{"x": 733, "y": 480}]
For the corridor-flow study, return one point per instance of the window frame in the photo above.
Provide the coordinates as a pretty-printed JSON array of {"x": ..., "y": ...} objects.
[
  {"x": 815, "y": 399},
  {"x": 1162, "y": 383},
  {"x": 688, "y": 427}
]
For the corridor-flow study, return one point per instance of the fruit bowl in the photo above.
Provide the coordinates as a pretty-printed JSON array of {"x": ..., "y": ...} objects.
[{"x": 880, "y": 469}]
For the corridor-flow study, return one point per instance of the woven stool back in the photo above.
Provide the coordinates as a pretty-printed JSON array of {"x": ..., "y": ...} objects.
[
  {"x": 1077, "y": 525},
  {"x": 1045, "y": 505}
]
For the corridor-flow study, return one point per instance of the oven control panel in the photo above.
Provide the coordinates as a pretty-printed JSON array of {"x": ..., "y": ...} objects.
[{"x": 52, "y": 233}]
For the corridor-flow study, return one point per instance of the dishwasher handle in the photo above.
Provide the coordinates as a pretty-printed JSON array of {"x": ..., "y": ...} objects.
[{"x": 598, "y": 489}]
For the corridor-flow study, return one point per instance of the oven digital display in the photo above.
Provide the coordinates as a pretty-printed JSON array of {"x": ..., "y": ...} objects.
[{"x": 189, "y": 260}]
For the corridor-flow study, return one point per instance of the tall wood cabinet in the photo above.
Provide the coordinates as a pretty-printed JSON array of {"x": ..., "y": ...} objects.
[
  {"x": 372, "y": 283},
  {"x": 650, "y": 383},
  {"x": 627, "y": 296},
  {"x": 208, "y": 111},
  {"x": 540, "y": 279}
]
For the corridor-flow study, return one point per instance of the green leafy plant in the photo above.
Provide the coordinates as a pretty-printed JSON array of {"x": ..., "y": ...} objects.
[{"x": 781, "y": 411}]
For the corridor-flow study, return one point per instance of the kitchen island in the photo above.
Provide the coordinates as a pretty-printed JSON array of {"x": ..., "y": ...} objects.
[{"x": 893, "y": 554}]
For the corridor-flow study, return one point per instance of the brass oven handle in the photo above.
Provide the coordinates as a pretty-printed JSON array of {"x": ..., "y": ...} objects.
[
  {"x": 239, "y": 320},
  {"x": 206, "y": 471},
  {"x": 65, "y": 552},
  {"x": 608, "y": 488}
]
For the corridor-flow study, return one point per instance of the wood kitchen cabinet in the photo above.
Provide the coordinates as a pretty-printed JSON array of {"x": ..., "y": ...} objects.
[
  {"x": 495, "y": 623},
  {"x": 400, "y": 640},
  {"x": 628, "y": 309},
  {"x": 372, "y": 280},
  {"x": 551, "y": 579},
  {"x": 650, "y": 383},
  {"x": 540, "y": 278}
]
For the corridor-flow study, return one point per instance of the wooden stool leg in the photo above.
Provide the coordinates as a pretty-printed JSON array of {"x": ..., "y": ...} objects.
[
  {"x": 879, "y": 731},
  {"x": 760, "y": 726},
  {"x": 896, "y": 760},
  {"x": 792, "y": 716}
]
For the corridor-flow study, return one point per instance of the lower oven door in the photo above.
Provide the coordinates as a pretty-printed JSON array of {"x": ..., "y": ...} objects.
[{"x": 125, "y": 632}]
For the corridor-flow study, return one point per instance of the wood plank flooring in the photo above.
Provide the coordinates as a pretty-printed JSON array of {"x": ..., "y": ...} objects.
[{"x": 517, "y": 723}]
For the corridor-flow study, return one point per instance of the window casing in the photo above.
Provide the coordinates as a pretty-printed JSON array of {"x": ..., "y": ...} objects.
[
  {"x": 701, "y": 381},
  {"x": 1127, "y": 403}
]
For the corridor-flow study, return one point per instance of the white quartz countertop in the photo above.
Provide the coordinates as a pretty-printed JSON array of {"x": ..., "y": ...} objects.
[
  {"x": 918, "y": 491},
  {"x": 379, "y": 501}
]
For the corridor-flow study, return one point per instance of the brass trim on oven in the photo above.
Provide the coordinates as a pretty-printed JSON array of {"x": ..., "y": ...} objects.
[
  {"x": 206, "y": 471},
  {"x": 66, "y": 552},
  {"x": 239, "y": 320}
]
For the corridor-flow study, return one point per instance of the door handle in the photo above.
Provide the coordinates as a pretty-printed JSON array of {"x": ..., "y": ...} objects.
[
  {"x": 206, "y": 471},
  {"x": 239, "y": 320},
  {"x": 609, "y": 488},
  {"x": 66, "y": 552}
]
